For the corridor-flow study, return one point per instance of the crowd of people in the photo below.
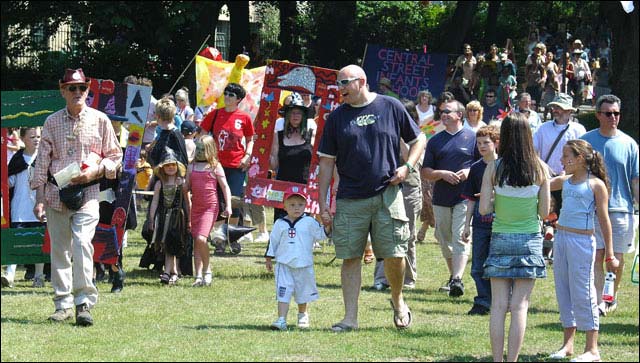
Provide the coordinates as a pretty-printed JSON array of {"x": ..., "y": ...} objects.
[{"x": 485, "y": 183}]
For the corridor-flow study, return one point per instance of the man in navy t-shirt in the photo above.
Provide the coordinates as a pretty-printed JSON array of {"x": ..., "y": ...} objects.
[
  {"x": 447, "y": 160},
  {"x": 362, "y": 139}
]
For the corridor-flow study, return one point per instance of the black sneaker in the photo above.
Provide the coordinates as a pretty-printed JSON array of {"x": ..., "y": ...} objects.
[
  {"x": 456, "y": 288},
  {"x": 118, "y": 281},
  {"x": 83, "y": 315},
  {"x": 479, "y": 310},
  {"x": 447, "y": 286}
]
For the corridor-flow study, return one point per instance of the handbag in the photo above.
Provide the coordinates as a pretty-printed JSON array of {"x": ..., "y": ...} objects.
[{"x": 71, "y": 196}]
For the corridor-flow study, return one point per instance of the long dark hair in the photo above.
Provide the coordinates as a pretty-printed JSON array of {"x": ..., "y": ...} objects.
[
  {"x": 593, "y": 159},
  {"x": 519, "y": 165}
]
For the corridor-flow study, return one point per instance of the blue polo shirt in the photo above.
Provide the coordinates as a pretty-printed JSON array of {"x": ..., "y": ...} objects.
[
  {"x": 621, "y": 159},
  {"x": 366, "y": 144},
  {"x": 450, "y": 152}
]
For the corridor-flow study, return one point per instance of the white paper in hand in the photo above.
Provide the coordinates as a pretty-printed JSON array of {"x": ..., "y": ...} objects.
[{"x": 64, "y": 176}]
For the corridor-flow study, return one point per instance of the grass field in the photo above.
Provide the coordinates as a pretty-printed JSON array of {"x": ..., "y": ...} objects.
[{"x": 229, "y": 321}]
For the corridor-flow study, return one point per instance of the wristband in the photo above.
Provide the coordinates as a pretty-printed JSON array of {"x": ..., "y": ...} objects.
[
  {"x": 610, "y": 259},
  {"x": 411, "y": 169}
]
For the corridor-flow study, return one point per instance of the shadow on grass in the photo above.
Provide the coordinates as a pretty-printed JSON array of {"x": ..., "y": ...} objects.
[
  {"x": 29, "y": 291},
  {"x": 411, "y": 332},
  {"x": 607, "y": 328}
]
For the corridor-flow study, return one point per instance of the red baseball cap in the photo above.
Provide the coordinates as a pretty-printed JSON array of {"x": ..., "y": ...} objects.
[{"x": 294, "y": 190}]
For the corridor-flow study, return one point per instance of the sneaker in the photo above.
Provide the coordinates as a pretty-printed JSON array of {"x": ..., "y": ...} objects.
[
  {"x": 602, "y": 309},
  {"x": 118, "y": 281},
  {"x": 380, "y": 286},
  {"x": 6, "y": 282},
  {"x": 208, "y": 278},
  {"x": 247, "y": 238},
  {"x": 262, "y": 237},
  {"x": 409, "y": 286},
  {"x": 456, "y": 288},
  {"x": 38, "y": 281},
  {"x": 198, "y": 282},
  {"x": 279, "y": 324},
  {"x": 303, "y": 320},
  {"x": 61, "y": 315},
  {"x": 447, "y": 286},
  {"x": 83, "y": 315},
  {"x": 611, "y": 306},
  {"x": 479, "y": 310}
]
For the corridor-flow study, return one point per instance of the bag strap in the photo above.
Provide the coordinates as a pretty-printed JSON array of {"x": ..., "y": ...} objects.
[
  {"x": 555, "y": 143},
  {"x": 213, "y": 122}
]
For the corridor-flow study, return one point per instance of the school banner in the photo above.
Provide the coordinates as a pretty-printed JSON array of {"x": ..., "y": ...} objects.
[
  {"x": 409, "y": 72},
  {"x": 213, "y": 76},
  {"x": 281, "y": 77}
]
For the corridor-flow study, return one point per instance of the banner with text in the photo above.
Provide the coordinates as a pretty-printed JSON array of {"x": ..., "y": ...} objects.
[{"x": 409, "y": 72}]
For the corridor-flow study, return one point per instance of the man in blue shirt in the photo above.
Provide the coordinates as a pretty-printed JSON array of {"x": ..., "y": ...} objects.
[
  {"x": 620, "y": 154},
  {"x": 447, "y": 160},
  {"x": 362, "y": 139}
]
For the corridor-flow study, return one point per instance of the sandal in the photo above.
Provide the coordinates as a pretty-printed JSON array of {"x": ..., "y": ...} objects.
[
  {"x": 164, "y": 278},
  {"x": 368, "y": 256},
  {"x": 342, "y": 328},
  {"x": 198, "y": 282},
  {"x": 399, "y": 317}
]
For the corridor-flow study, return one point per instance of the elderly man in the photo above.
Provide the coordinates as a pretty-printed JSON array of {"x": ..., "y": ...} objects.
[
  {"x": 362, "y": 138},
  {"x": 447, "y": 161},
  {"x": 620, "y": 154},
  {"x": 78, "y": 135},
  {"x": 525, "y": 106}
]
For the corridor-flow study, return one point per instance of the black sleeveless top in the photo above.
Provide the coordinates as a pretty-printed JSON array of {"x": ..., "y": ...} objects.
[{"x": 293, "y": 161}]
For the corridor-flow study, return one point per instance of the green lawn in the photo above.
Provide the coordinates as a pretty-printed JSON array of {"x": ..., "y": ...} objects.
[{"x": 229, "y": 320}]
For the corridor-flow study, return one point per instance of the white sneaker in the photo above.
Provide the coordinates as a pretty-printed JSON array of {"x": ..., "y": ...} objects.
[
  {"x": 303, "y": 320},
  {"x": 279, "y": 324},
  {"x": 38, "y": 282},
  {"x": 262, "y": 237},
  {"x": 208, "y": 278},
  {"x": 247, "y": 238}
]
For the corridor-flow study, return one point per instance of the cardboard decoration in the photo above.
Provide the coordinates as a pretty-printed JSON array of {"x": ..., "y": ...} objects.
[
  {"x": 119, "y": 101},
  {"x": 281, "y": 76}
]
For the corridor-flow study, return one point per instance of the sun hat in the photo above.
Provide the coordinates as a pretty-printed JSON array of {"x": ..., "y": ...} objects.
[
  {"x": 73, "y": 76},
  {"x": 294, "y": 190},
  {"x": 169, "y": 157},
  {"x": 564, "y": 101}
]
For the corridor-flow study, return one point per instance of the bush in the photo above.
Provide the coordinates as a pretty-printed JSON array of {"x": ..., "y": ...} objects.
[{"x": 588, "y": 120}]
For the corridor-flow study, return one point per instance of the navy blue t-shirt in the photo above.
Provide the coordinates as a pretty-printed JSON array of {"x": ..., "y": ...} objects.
[
  {"x": 366, "y": 144},
  {"x": 472, "y": 187},
  {"x": 453, "y": 153}
]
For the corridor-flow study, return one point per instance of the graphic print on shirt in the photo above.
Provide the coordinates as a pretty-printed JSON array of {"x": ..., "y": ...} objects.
[
  {"x": 222, "y": 139},
  {"x": 364, "y": 120},
  {"x": 292, "y": 232}
]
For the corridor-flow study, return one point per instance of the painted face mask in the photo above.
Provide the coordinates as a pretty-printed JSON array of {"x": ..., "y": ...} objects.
[{"x": 200, "y": 152}]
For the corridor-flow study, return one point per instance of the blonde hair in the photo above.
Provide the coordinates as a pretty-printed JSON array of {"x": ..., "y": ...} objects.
[
  {"x": 182, "y": 94},
  {"x": 210, "y": 150},
  {"x": 165, "y": 109},
  {"x": 475, "y": 105}
]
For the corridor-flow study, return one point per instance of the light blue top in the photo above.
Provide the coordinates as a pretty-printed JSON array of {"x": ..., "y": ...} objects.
[
  {"x": 578, "y": 205},
  {"x": 621, "y": 159}
]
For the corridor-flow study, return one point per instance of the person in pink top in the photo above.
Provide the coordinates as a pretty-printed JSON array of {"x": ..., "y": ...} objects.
[{"x": 204, "y": 176}]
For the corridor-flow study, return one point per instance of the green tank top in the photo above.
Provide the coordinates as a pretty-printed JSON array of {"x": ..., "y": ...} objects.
[{"x": 516, "y": 209}]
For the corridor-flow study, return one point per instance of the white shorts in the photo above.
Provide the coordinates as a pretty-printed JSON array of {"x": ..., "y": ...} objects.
[
  {"x": 300, "y": 282},
  {"x": 623, "y": 226}
]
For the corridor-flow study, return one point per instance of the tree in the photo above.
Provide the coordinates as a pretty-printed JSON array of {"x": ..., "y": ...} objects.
[
  {"x": 454, "y": 31},
  {"x": 290, "y": 47},
  {"x": 239, "y": 13},
  {"x": 624, "y": 67}
]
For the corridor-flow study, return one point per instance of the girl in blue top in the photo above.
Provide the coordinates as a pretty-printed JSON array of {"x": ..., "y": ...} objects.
[
  {"x": 584, "y": 195},
  {"x": 517, "y": 187}
]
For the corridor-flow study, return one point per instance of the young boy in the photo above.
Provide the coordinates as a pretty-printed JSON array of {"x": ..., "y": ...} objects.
[
  {"x": 487, "y": 139},
  {"x": 291, "y": 243}
]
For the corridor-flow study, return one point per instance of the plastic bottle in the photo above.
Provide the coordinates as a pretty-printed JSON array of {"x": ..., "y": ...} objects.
[{"x": 607, "y": 291}]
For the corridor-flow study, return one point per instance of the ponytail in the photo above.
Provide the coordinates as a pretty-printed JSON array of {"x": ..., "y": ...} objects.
[{"x": 595, "y": 162}]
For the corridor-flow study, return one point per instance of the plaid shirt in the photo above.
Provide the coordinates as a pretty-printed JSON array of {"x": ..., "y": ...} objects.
[{"x": 59, "y": 148}]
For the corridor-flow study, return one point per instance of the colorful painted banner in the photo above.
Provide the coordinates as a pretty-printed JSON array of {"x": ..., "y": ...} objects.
[
  {"x": 281, "y": 76},
  {"x": 213, "y": 76},
  {"x": 22, "y": 245},
  {"x": 409, "y": 72}
]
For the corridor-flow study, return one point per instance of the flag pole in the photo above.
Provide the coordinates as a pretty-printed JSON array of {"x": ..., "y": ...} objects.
[{"x": 189, "y": 65}]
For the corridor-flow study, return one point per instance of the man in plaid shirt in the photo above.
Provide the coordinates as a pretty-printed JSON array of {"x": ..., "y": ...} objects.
[{"x": 83, "y": 135}]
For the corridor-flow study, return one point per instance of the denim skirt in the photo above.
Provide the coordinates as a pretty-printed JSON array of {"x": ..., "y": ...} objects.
[{"x": 515, "y": 256}]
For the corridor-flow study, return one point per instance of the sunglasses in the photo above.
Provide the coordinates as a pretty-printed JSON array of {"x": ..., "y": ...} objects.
[
  {"x": 446, "y": 112},
  {"x": 74, "y": 88},
  {"x": 487, "y": 96},
  {"x": 609, "y": 114},
  {"x": 230, "y": 94},
  {"x": 344, "y": 82}
]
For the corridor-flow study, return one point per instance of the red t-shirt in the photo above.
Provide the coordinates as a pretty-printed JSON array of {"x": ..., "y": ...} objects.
[{"x": 229, "y": 128}]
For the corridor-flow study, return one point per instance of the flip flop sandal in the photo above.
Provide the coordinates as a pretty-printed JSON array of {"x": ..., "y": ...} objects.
[
  {"x": 342, "y": 328},
  {"x": 399, "y": 317},
  {"x": 368, "y": 257}
]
